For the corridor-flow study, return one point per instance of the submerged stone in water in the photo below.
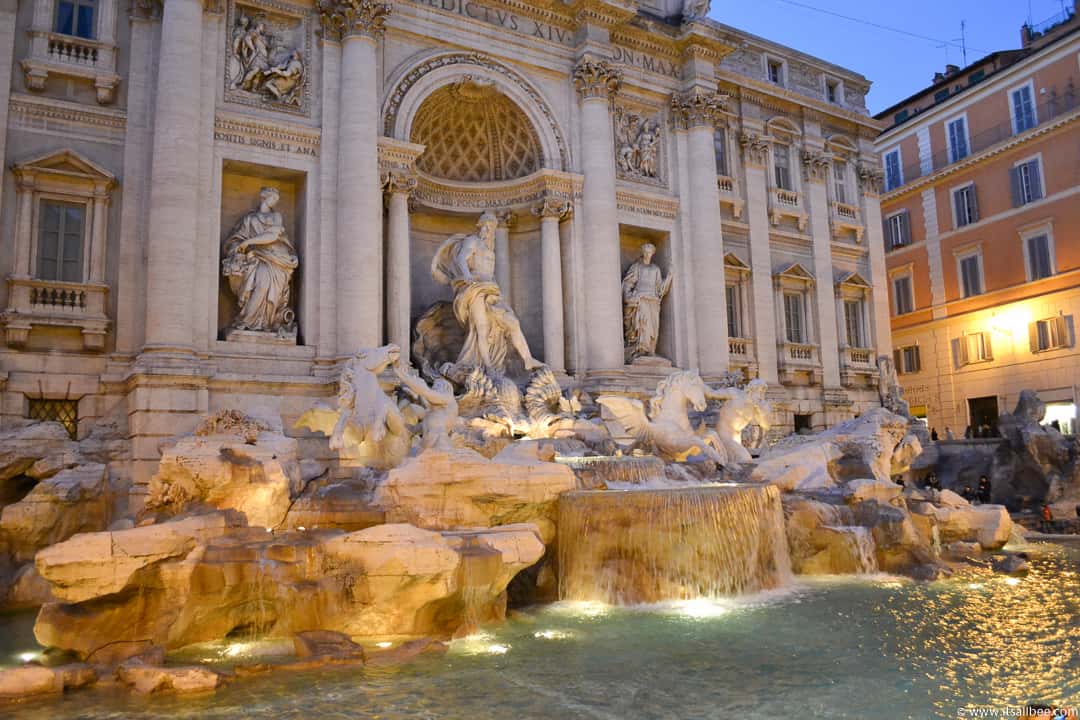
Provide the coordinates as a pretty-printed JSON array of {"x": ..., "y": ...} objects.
[{"x": 646, "y": 546}]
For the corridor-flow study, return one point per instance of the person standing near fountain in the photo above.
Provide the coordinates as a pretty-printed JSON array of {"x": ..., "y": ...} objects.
[
  {"x": 644, "y": 286},
  {"x": 467, "y": 264}
]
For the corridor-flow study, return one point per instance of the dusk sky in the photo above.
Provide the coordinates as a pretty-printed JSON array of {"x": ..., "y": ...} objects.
[{"x": 898, "y": 64}]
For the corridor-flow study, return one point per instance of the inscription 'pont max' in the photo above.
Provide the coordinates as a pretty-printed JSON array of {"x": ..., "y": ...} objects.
[{"x": 502, "y": 18}]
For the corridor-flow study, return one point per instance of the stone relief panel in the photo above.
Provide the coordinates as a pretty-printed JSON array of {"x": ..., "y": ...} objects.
[
  {"x": 639, "y": 145},
  {"x": 267, "y": 56}
]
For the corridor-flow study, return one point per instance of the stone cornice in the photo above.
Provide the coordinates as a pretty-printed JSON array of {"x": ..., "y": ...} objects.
[
  {"x": 258, "y": 132},
  {"x": 755, "y": 149},
  {"x": 146, "y": 9},
  {"x": 697, "y": 43},
  {"x": 605, "y": 13},
  {"x": 815, "y": 166},
  {"x": 30, "y": 112},
  {"x": 640, "y": 39},
  {"x": 697, "y": 107},
  {"x": 517, "y": 194},
  {"x": 398, "y": 155},
  {"x": 362, "y": 18},
  {"x": 788, "y": 102},
  {"x": 596, "y": 78}
]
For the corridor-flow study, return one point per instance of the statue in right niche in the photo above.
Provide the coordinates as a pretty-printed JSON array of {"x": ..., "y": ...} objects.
[{"x": 644, "y": 287}]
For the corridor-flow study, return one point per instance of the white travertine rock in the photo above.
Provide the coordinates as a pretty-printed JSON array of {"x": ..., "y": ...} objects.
[
  {"x": 94, "y": 564},
  {"x": 949, "y": 499},
  {"x": 386, "y": 580},
  {"x": 74, "y": 500},
  {"x": 146, "y": 679},
  {"x": 884, "y": 492},
  {"x": 21, "y": 448},
  {"x": 225, "y": 471},
  {"x": 864, "y": 447},
  {"x": 988, "y": 525},
  {"x": 462, "y": 489}
]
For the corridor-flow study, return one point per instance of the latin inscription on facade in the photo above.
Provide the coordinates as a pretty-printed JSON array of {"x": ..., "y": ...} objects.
[
  {"x": 503, "y": 19},
  {"x": 265, "y": 143},
  {"x": 645, "y": 62}
]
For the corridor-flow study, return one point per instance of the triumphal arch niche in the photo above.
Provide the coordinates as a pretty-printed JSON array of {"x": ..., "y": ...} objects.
[{"x": 481, "y": 141}]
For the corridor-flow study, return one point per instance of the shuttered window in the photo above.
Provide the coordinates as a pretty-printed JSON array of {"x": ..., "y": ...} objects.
[
  {"x": 1023, "y": 105},
  {"x": 971, "y": 275},
  {"x": 733, "y": 325},
  {"x": 907, "y": 360},
  {"x": 902, "y": 294},
  {"x": 1051, "y": 333},
  {"x": 898, "y": 230},
  {"x": 958, "y": 143},
  {"x": 1026, "y": 182},
  {"x": 894, "y": 175},
  {"x": 971, "y": 349},
  {"x": 1040, "y": 264},
  {"x": 967, "y": 206}
]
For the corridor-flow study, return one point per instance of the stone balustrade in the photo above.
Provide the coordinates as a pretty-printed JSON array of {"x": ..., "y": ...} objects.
[
  {"x": 787, "y": 203},
  {"x": 58, "y": 304},
  {"x": 74, "y": 50},
  {"x": 730, "y": 195},
  {"x": 846, "y": 218}
]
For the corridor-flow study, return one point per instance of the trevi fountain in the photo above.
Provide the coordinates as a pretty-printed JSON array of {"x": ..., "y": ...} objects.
[{"x": 451, "y": 359}]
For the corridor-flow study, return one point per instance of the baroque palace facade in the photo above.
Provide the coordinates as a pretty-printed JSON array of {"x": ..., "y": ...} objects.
[{"x": 209, "y": 205}]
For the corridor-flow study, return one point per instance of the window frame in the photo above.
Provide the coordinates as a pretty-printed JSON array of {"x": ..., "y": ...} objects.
[
  {"x": 899, "y": 167},
  {"x": 841, "y": 173},
  {"x": 95, "y": 6},
  {"x": 1063, "y": 324},
  {"x": 973, "y": 206},
  {"x": 1016, "y": 167},
  {"x": 896, "y": 277},
  {"x": 804, "y": 338},
  {"x": 962, "y": 255},
  {"x": 1026, "y": 235},
  {"x": 720, "y": 140},
  {"x": 771, "y": 60},
  {"x": 900, "y": 359},
  {"x": 962, "y": 117},
  {"x": 906, "y": 224},
  {"x": 786, "y": 152},
  {"x": 39, "y": 229},
  {"x": 1029, "y": 85},
  {"x": 835, "y": 84}
]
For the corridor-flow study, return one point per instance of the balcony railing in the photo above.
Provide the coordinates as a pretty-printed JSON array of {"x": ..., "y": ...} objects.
[
  {"x": 787, "y": 203},
  {"x": 73, "y": 50},
  {"x": 860, "y": 357},
  {"x": 729, "y": 194},
  {"x": 34, "y": 302},
  {"x": 847, "y": 218},
  {"x": 1056, "y": 105},
  {"x": 741, "y": 348},
  {"x": 801, "y": 352},
  {"x": 64, "y": 298}
]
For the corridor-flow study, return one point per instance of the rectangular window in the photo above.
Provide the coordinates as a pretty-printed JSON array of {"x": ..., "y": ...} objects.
[
  {"x": 905, "y": 301},
  {"x": 776, "y": 72},
  {"x": 60, "y": 241},
  {"x": 782, "y": 163},
  {"x": 793, "y": 317},
  {"x": 720, "y": 148},
  {"x": 941, "y": 95},
  {"x": 971, "y": 275},
  {"x": 898, "y": 230},
  {"x": 967, "y": 206},
  {"x": 840, "y": 180},
  {"x": 65, "y": 412},
  {"x": 76, "y": 17},
  {"x": 973, "y": 348},
  {"x": 958, "y": 141},
  {"x": 1023, "y": 108},
  {"x": 1051, "y": 333},
  {"x": 853, "y": 321},
  {"x": 832, "y": 91},
  {"x": 907, "y": 360},
  {"x": 1040, "y": 264},
  {"x": 894, "y": 174},
  {"x": 733, "y": 325},
  {"x": 1026, "y": 181}
]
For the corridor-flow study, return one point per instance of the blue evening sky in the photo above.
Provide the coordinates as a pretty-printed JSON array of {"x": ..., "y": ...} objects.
[{"x": 898, "y": 65}]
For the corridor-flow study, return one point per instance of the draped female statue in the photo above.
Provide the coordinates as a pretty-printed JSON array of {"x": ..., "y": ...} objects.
[
  {"x": 644, "y": 286},
  {"x": 259, "y": 262}
]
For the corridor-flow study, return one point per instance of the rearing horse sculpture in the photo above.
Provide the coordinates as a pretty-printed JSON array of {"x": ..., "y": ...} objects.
[{"x": 666, "y": 428}]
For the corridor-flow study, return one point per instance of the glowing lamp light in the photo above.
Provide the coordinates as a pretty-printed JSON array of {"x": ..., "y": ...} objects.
[
  {"x": 384, "y": 644},
  {"x": 1012, "y": 321},
  {"x": 28, "y": 656},
  {"x": 553, "y": 635}
]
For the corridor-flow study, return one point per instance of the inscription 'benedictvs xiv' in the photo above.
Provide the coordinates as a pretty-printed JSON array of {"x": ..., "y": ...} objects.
[{"x": 503, "y": 19}]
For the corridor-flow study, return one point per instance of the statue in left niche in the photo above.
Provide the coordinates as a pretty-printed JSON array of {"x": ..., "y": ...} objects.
[
  {"x": 258, "y": 261},
  {"x": 264, "y": 64}
]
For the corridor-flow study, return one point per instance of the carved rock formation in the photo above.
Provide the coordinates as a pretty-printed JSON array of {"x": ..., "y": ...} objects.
[{"x": 461, "y": 489}]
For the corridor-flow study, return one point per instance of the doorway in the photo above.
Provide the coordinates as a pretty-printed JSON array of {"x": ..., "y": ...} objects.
[{"x": 983, "y": 412}]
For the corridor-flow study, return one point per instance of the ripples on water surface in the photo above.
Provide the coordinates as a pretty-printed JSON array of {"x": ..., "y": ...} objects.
[{"x": 847, "y": 648}]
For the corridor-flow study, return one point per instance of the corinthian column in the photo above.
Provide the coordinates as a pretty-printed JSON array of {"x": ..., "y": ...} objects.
[
  {"x": 550, "y": 212},
  {"x": 596, "y": 81},
  {"x": 398, "y": 186},
  {"x": 696, "y": 112},
  {"x": 358, "y": 24},
  {"x": 174, "y": 186}
]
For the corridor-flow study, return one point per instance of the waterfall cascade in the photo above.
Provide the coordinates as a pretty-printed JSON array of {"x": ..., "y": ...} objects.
[
  {"x": 646, "y": 546},
  {"x": 597, "y": 472}
]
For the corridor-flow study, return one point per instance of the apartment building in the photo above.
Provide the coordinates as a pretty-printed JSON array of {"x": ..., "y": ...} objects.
[{"x": 981, "y": 215}]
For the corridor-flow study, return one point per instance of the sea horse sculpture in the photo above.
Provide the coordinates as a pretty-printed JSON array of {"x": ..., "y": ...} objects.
[
  {"x": 366, "y": 425},
  {"x": 666, "y": 428}
]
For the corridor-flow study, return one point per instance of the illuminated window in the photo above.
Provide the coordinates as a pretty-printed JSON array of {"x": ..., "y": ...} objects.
[
  {"x": 972, "y": 348},
  {"x": 1051, "y": 334}
]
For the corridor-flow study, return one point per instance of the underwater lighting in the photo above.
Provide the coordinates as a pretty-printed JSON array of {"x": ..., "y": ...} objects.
[
  {"x": 28, "y": 656},
  {"x": 553, "y": 635},
  {"x": 586, "y": 608},
  {"x": 1012, "y": 581},
  {"x": 237, "y": 649},
  {"x": 498, "y": 649},
  {"x": 700, "y": 609},
  {"x": 384, "y": 644}
]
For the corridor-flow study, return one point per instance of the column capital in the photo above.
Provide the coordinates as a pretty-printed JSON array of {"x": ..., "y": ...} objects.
[
  {"x": 214, "y": 7},
  {"x": 815, "y": 166},
  {"x": 551, "y": 207},
  {"x": 698, "y": 108},
  {"x": 146, "y": 9},
  {"x": 399, "y": 182},
  {"x": 596, "y": 78},
  {"x": 507, "y": 218},
  {"x": 871, "y": 179},
  {"x": 755, "y": 149},
  {"x": 347, "y": 18}
]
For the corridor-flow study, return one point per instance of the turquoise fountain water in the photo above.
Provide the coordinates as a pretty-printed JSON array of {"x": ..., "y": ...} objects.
[{"x": 867, "y": 647}]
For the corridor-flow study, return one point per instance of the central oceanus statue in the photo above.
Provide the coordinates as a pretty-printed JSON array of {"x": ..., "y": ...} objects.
[
  {"x": 467, "y": 264},
  {"x": 666, "y": 428}
]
